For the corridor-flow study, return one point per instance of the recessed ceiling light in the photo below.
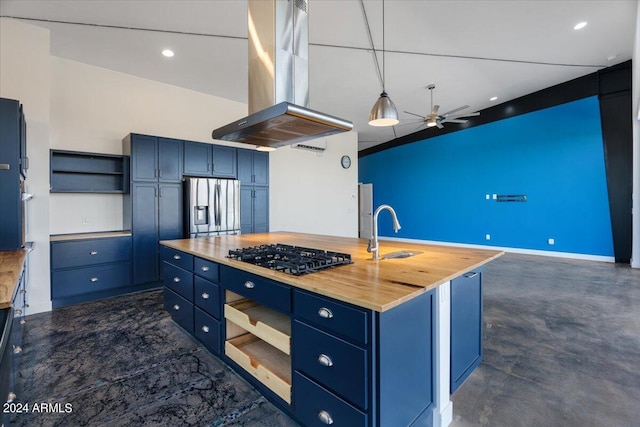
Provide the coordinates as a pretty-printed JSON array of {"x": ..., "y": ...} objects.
[
  {"x": 493, "y": 98},
  {"x": 580, "y": 25},
  {"x": 168, "y": 53}
]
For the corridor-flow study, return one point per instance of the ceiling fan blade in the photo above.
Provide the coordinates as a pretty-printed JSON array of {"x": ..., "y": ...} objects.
[
  {"x": 414, "y": 114},
  {"x": 439, "y": 125},
  {"x": 457, "y": 116},
  {"x": 447, "y": 120},
  {"x": 455, "y": 110},
  {"x": 435, "y": 109}
]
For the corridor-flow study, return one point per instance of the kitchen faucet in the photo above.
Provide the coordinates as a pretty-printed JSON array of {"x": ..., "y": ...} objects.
[{"x": 396, "y": 226}]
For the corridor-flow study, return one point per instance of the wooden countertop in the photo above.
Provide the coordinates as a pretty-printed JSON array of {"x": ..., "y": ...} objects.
[
  {"x": 96, "y": 235},
  {"x": 376, "y": 285},
  {"x": 11, "y": 263}
]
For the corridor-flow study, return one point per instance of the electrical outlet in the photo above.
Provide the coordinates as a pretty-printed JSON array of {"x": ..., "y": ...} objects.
[
  {"x": 551, "y": 241},
  {"x": 487, "y": 196},
  {"x": 495, "y": 197},
  {"x": 85, "y": 220},
  {"x": 487, "y": 236}
]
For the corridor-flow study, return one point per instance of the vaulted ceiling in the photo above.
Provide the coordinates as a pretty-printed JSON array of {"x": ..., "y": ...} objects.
[{"x": 472, "y": 50}]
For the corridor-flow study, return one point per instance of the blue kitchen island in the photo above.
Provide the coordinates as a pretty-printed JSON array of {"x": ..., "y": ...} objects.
[{"x": 367, "y": 343}]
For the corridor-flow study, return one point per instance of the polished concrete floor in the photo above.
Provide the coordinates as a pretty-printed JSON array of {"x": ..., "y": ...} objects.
[{"x": 562, "y": 348}]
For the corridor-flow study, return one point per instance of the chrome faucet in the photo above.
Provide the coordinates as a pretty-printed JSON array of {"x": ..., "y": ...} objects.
[{"x": 396, "y": 226}]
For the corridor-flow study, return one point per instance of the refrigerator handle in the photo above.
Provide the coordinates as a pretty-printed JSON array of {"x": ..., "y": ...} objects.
[{"x": 219, "y": 207}]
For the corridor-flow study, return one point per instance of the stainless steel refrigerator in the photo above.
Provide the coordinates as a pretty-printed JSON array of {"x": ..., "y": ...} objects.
[{"x": 212, "y": 207}]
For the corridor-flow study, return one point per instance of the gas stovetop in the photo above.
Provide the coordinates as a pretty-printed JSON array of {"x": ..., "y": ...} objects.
[{"x": 290, "y": 259}]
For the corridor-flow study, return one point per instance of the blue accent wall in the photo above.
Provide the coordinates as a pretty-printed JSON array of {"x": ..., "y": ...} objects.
[{"x": 554, "y": 156}]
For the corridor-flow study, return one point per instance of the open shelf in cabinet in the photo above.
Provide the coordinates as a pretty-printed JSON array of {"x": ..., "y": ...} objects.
[
  {"x": 264, "y": 362},
  {"x": 267, "y": 324},
  {"x": 82, "y": 172}
]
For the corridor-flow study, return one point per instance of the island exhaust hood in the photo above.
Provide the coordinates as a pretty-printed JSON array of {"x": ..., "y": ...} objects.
[{"x": 279, "y": 80}]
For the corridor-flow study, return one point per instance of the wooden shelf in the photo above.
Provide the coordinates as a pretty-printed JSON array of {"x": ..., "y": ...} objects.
[
  {"x": 263, "y": 322},
  {"x": 81, "y": 172},
  {"x": 264, "y": 362}
]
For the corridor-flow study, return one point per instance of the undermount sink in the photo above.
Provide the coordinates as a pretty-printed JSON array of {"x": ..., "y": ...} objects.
[{"x": 400, "y": 254}]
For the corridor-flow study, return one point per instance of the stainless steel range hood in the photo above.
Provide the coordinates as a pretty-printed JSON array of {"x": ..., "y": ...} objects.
[{"x": 279, "y": 80}]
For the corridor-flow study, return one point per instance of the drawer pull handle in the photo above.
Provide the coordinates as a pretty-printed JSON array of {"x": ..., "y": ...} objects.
[
  {"x": 17, "y": 349},
  {"x": 470, "y": 275},
  {"x": 325, "y": 417},
  {"x": 94, "y": 279},
  {"x": 176, "y": 256},
  {"x": 325, "y": 313},
  {"x": 205, "y": 268},
  {"x": 176, "y": 279},
  {"x": 205, "y": 329},
  {"x": 325, "y": 360},
  {"x": 23, "y": 291},
  {"x": 249, "y": 284},
  {"x": 93, "y": 253},
  {"x": 205, "y": 295},
  {"x": 176, "y": 307},
  {"x": 18, "y": 312}
]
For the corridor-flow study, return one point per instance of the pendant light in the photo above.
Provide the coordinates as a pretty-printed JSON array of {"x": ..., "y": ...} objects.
[{"x": 384, "y": 112}]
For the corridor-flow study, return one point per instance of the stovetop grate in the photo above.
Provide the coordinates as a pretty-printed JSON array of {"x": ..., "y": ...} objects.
[{"x": 290, "y": 259}]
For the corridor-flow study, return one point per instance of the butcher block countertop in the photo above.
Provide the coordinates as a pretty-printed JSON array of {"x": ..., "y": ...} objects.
[
  {"x": 376, "y": 285},
  {"x": 11, "y": 263},
  {"x": 94, "y": 235}
]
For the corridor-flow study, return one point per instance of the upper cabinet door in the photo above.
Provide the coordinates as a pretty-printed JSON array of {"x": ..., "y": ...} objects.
[
  {"x": 144, "y": 158},
  {"x": 197, "y": 159},
  {"x": 224, "y": 161},
  {"x": 260, "y": 168},
  {"x": 170, "y": 160},
  {"x": 245, "y": 166}
]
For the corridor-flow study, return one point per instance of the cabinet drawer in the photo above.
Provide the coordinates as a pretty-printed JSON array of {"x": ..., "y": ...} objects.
[
  {"x": 256, "y": 288},
  {"x": 332, "y": 362},
  {"x": 207, "y": 269},
  {"x": 206, "y": 295},
  {"x": 77, "y": 281},
  {"x": 348, "y": 321},
  {"x": 79, "y": 253},
  {"x": 317, "y": 407},
  {"x": 177, "y": 258},
  {"x": 180, "y": 309},
  {"x": 207, "y": 330},
  {"x": 179, "y": 280}
]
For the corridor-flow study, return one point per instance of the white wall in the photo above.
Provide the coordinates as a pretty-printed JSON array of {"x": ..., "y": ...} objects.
[
  {"x": 311, "y": 193},
  {"x": 94, "y": 108},
  {"x": 25, "y": 76},
  {"x": 75, "y": 106}
]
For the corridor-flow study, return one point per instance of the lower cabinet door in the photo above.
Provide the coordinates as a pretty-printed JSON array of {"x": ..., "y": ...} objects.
[
  {"x": 77, "y": 281},
  {"x": 180, "y": 309},
  {"x": 317, "y": 407},
  {"x": 207, "y": 330},
  {"x": 338, "y": 365},
  {"x": 466, "y": 327}
]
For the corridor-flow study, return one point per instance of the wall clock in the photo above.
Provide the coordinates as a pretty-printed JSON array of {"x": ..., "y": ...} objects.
[{"x": 346, "y": 162}]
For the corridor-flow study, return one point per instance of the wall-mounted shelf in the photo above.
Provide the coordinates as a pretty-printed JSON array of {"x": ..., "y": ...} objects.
[{"x": 81, "y": 172}]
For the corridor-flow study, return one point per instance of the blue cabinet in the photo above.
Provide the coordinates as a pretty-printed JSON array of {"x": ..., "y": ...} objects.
[
  {"x": 153, "y": 209},
  {"x": 11, "y": 164},
  {"x": 191, "y": 297},
  {"x": 85, "y": 269},
  {"x": 209, "y": 160},
  {"x": 254, "y": 209},
  {"x": 466, "y": 326},
  {"x": 154, "y": 159},
  {"x": 253, "y": 167}
]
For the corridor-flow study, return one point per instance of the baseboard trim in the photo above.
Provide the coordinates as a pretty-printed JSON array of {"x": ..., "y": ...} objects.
[{"x": 570, "y": 255}]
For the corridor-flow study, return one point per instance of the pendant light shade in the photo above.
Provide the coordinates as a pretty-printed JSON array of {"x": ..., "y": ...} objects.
[{"x": 384, "y": 112}]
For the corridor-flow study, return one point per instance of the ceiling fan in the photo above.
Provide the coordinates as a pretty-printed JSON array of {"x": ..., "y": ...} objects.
[{"x": 435, "y": 119}]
